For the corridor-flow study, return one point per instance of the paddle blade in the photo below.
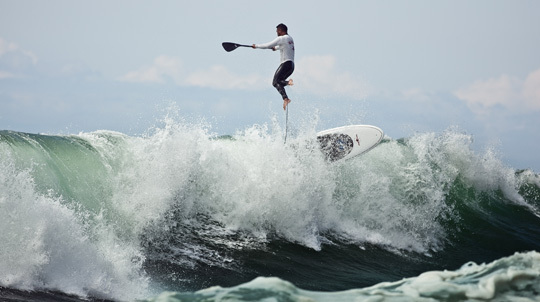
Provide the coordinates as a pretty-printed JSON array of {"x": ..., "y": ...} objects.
[{"x": 229, "y": 46}]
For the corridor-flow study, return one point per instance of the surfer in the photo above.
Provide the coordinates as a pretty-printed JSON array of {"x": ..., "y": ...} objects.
[{"x": 285, "y": 44}]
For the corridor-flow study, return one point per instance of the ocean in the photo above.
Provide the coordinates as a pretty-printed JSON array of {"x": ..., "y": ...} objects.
[{"x": 181, "y": 214}]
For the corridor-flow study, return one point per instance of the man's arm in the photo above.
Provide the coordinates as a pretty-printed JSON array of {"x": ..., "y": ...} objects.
[{"x": 270, "y": 45}]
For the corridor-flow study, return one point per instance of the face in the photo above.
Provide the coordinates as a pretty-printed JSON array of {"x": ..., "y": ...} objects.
[{"x": 280, "y": 32}]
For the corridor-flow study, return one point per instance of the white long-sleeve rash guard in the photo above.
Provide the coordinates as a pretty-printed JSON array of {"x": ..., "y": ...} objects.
[{"x": 285, "y": 44}]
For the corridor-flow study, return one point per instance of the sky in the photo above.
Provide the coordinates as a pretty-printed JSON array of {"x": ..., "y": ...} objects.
[{"x": 405, "y": 66}]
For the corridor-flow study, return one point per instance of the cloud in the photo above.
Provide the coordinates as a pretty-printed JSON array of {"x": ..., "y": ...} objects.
[
  {"x": 217, "y": 77},
  {"x": 415, "y": 95},
  {"x": 505, "y": 91},
  {"x": 315, "y": 74},
  {"x": 6, "y": 75},
  {"x": 6, "y": 46},
  {"x": 14, "y": 61},
  {"x": 319, "y": 75},
  {"x": 10, "y": 47},
  {"x": 164, "y": 67},
  {"x": 531, "y": 90},
  {"x": 220, "y": 78}
]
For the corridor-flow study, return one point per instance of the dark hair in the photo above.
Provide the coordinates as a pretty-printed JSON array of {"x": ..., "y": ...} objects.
[{"x": 282, "y": 26}]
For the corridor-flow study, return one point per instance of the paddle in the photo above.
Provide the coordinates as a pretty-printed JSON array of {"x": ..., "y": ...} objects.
[{"x": 229, "y": 46}]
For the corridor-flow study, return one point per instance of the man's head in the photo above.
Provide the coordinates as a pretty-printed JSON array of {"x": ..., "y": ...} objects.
[{"x": 281, "y": 29}]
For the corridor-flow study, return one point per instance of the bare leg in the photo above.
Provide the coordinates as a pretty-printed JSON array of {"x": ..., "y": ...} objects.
[{"x": 286, "y": 102}]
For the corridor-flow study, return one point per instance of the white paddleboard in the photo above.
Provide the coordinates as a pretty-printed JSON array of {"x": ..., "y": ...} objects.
[{"x": 348, "y": 141}]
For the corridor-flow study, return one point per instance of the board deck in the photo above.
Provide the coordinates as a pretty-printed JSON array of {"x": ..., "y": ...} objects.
[{"x": 348, "y": 141}]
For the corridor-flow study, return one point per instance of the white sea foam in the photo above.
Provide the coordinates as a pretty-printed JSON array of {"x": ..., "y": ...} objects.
[
  {"x": 46, "y": 245},
  {"x": 515, "y": 278},
  {"x": 75, "y": 210}
]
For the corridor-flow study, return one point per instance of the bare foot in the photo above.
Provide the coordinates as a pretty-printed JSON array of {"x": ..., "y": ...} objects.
[
  {"x": 286, "y": 102},
  {"x": 290, "y": 82}
]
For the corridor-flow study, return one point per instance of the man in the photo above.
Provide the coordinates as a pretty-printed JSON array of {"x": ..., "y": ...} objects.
[{"x": 285, "y": 44}]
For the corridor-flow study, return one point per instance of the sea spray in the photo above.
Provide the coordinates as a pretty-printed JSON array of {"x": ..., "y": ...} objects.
[
  {"x": 181, "y": 208},
  {"x": 48, "y": 245}
]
